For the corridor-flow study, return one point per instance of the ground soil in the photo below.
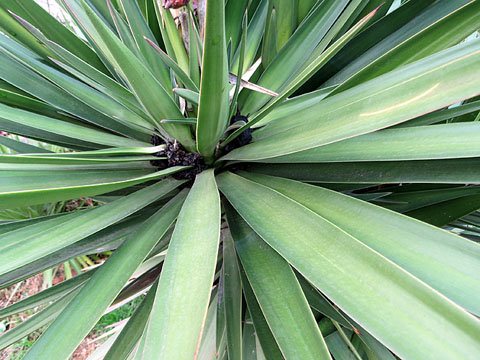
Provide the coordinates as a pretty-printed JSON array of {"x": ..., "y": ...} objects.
[{"x": 27, "y": 288}]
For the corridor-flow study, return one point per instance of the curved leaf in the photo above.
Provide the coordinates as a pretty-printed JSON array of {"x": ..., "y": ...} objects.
[
  {"x": 394, "y": 306},
  {"x": 423, "y": 86},
  {"x": 187, "y": 276},
  {"x": 95, "y": 296}
]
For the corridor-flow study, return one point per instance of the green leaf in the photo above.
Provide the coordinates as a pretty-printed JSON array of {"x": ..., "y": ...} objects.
[
  {"x": 456, "y": 25},
  {"x": 452, "y": 171},
  {"x": 411, "y": 200},
  {"x": 262, "y": 329},
  {"x": 22, "y": 188},
  {"x": 103, "y": 240},
  {"x": 184, "y": 78},
  {"x": 186, "y": 279},
  {"x": 189, "y": 121},
  {"x": 11, "y": 27},
  {"x": 234, "y": 102},
  {"x": 96, "y": 79},
  {"x": 446, "y": 262},
  {"x": 87, "y": 307},
  {"x": 146, "y": 88},
  {"x": 116, "y": 151},
  {"x": 303, "y": 76},
  {"x": 133, "y": 330},
  {"x": 286, "y": 21},
  {"x": 194, "y": 52},
  {"x": 397, "y": 96},
  {"x": 458, "y": 140},
  {"x": 53, "y": 29},
  {"x": 37, "y": 321},
  {"x": 27, "y": 244},
  {"x": 121, "y": 119},
  {"x": 20, "y": 146},
  {"x": 445, "y": 212},
  {"x": 207, "y": 349},
  {"x": 140, "y": 30},
  {"x": 24, "y": 101},
  {"x": 41, "y": 88},
  {"x": 255, "y": 33},
  {"x": 304, "y": 7},
  {"x": 291, "y": 106},
  {"x": 339, "y": 348},
  {"x": 376, "y": 39},
  {"x": 392, "y": 299},
  {"x": 171, "y": 36},
  {"x": 279, "y": 294},
  {"x": 188, "y": 95},
  {"x": 234, "y": 11},
  {"x": 213, "y": 106},
  {"x": 295, "y": 51},
  {"x": 443, "y": 114},
  {"x": 51, "y": 294},
  {"x": 338, "y": 29},
  {"x": 38, "y": 160},
  {"x": 233, "y": 298}
]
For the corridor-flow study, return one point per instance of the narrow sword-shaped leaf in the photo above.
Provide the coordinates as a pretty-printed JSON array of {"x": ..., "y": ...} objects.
[
  {"x": 34, "y": 84},
  {"x": 187, "y": 276},
  {"x": 140, "y": 30},
  {"x": 147, "y": 89},
  {"x": 37, "y": 321},
  {"x": 103, "y": 240},
  {"x": 443, "y": 114},
  {"x": 458, "y": 140},
  {"x": 456, "y": 26},
  {"x": 445, "y": 261},
  {"x": 194, "y": 54},
  {"x": 66, "y": 129},
  {"x": 232, "y": 297},
  {"x": 411, "y": 200},
  {"x": 45, "y": 296},
  {"x": 184, "y": 78},
  {"x": 295, "y": 51},
  {"x": 400, "y": 95},
  {"x": 303, "y": 76},
  {"x": 189, "y": 95},
  {"x": 54, "y": 29},
  {"x": 341, "y": 266},
  {"x": 213, "y": 105},
  {"x": 58, "y": 160},
  {"x": 291, "y": 106},
  {"x": 255, "y": 32},
  {"x": 279, "y": 294},
  {"x": 85, "y": 94},
  {"x": 87, "y": 307},
  {"x": 113, "y": 152},
  {"x": 41, "y": 239},
  {"x": 262, "y": 329},
  {"x": 233, "y": 103},
  {"x": 445, "y": 212},
  {"x": 133, "y": 330},
  {"x": 450, "y": 171},
  {"x": 21, "y": 147},
  {"x": 22, "y": 188}
]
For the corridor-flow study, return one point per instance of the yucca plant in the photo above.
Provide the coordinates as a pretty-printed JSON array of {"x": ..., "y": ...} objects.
[{"x": 284, "y": 179}]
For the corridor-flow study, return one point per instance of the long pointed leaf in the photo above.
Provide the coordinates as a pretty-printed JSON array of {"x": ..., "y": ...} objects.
[
  {"x": 397, "y": 96},
  {"x": 279, "y": 294},
  {"x": 87, "y": 307},
  {"x": 404, "y": 307},
  {"x": 214, "y": 88},
  {"x": 185, "y": 283},
  {"x": 445, "y": 261}
]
